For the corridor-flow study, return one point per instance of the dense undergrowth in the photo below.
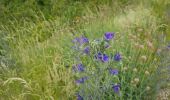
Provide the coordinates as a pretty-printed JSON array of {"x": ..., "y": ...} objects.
[{"x": 35, "y": 44}]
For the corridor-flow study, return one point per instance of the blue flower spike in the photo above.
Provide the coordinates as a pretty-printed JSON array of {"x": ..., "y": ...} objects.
[
  {"x": 105, "y": 58},
  {"x": 114, "y": 71},
  {"x": 78, "y": 68},
  {"x": 116, "y": 88},
  {"x": 168, "y": 46},
  {"x": 81, "y": 80},
  {"x": 117, "y": 57},
  {"x": 102, "y": 57},
  {"x": 81, "y": 40},
  {"x": 108, "y": 36},
  {"x": 79, "y": 97},
  {"x": 87, "y": 50}
]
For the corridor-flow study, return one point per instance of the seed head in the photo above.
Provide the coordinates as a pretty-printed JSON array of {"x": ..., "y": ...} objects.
[
  {"x": 147, "y": 73},
  {"x": 140, "y": 30},
  {"x": 148, "y": 88},
  {"x": 136, "y": 80},
  {"x": 150, "y": 45},
  {"x": 135, "y": 70},
  {"x": 131, "y": 36},
  {"x": 143, "y": 58},
  {"x": 125, "y": 68},
  {"x": 139, "y": 46}
]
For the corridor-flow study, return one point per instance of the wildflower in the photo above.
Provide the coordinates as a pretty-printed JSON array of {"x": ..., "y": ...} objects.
[
  {"x": 132, "y": 36},
  {"x": 81, "y": 80},
  {"x": 116, "y": 88},
  {"x": 140, "y": 30},
  {"x": 113, "y": 71},
  {"x": 79, "y": 97},
  {"x": 99, "y": 56},
  {"x": 87, "y": 50},
  {"x": 132, "y": 81},
  {"x": 135, "y": 70},
  {"x": 76, "y": 40},
  {"x": 108, "y": 36},
  {"x": 148, "y": 88},
  {"x": 105, "y": 58},
  {"x": 117, "y": 57},
  {"x": 139, "y": 46},
  {"x": 125, "y": 68},
  {"x": 136, "y": 80},
  {"x": 168, "y": 46},
  {"x": 147, "y": 73},
  {"x": 144, "y": 58},
  {"x": 78, "y": 67},
  {"x": 102, "y": 57},
  {"x": 150, "y": 45},
  {"x": 158, "y": 51},
  {"x": 155, "y": 59},
  {"x": 82, "y": 40}
]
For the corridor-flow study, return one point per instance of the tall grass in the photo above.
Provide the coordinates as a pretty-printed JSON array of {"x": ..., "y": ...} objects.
[{"x": 38, "y": 59}]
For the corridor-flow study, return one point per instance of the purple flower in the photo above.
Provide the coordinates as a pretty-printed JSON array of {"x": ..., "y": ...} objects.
[
  {"x": 87, "y": 50},
  {"x": 84, "y": 40},
  {"x": 102, "y": 57},
  {"x": 117, "y": 57},
  {"x": 113, "y": 71},
  {"x": 105, "y": 58},
  {"x": 169, "y": 46},
  {"x": 78, "y": 67},
  {"x": 81, "y": 80},
  {"x": 116, "y": 88},
  {"x": 99, "y": 56},
  {"x": 79, "y": 97},
  {"x": 76, "y": 40},
  {"x": 81, "y": 40},
  {"x": 108, "y": 36}
]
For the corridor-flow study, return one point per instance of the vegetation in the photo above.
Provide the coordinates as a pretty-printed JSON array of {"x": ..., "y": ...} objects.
[{"x": 36, "y": 58}]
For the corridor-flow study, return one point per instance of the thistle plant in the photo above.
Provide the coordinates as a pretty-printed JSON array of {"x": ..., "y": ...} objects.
[{"x": 104, "y": 69}]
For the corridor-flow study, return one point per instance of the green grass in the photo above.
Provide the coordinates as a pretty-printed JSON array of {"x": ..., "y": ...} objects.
[{"x": 35, "y": 42}]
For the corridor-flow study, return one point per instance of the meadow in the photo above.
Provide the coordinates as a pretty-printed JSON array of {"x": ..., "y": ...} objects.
[{"x": 84, "y": 49}]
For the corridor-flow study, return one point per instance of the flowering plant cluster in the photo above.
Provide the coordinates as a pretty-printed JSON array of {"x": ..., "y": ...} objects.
[{"x": 100, "y": 70}]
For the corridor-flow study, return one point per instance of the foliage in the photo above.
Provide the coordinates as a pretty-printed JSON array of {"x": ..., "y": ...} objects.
[{"x": 35, "y": 44}]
